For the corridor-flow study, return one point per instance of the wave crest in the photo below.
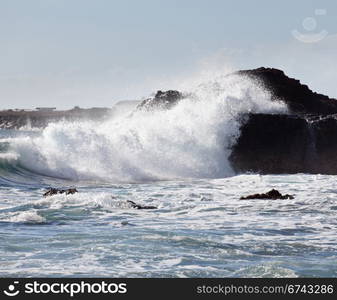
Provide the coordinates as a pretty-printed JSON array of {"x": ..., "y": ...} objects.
[{"x": 191, "y": 140}]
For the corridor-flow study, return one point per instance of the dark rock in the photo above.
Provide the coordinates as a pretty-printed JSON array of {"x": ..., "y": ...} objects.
[
  {"x": 299, "y": 98},
  {"x": 302, "y": 142},
  {"x": 276, "y": 144},
  {"x": 162, "y": 100},
  {"x": 137, "y": 206},
  {"x": 71, "y": 191},
  {"x": 271, "y": 144},
  {"x": 53, "y": 191},
  {"x": 272, "y": 194}
]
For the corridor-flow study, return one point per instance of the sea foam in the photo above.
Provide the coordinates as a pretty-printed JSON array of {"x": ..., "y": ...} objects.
[{"x": 191, "y": 140}]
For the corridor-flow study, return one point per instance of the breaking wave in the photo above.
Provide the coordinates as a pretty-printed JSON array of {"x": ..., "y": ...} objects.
[{"x": 191, "y": 140}]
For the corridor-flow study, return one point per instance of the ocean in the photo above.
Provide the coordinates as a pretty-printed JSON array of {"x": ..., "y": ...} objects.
[{"x": 176, "y": 160}]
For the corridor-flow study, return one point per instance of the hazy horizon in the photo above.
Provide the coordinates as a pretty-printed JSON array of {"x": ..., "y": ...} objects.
[{"x": 93, "y": 53}]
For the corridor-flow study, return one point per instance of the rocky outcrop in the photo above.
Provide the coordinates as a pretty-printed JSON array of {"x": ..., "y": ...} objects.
[
  {"x": 303, "y": 142},
  {"x": 162, "y": 100},
  {"x": 271, "y": 195},
  {"x": 276, "y": 144},
  {"x": 53, "y": 191},
  {"x": 273, "y": 144},
  {"x": 299, "y": 98}
]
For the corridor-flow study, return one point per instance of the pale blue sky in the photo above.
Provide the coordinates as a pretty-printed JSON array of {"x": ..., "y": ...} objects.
[{"x": 91, "y": 53}]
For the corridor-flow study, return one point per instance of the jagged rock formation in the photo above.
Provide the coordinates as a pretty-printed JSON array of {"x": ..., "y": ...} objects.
[
  {"x": 304, "y": 142},
  {"x": 286, "y": 144},
  {"x": 164, "y": 100},
  {"x": 299, "y": 98}
]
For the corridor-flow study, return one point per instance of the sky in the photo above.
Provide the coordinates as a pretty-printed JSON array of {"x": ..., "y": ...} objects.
[{"x": 64, "y": 53}]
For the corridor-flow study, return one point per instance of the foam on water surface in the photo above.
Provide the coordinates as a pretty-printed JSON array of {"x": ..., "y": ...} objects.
[{"x": 200, "y": 228}]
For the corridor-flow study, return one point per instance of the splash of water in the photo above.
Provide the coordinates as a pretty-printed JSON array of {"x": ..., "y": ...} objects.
[{"x": 191, "y": 140}]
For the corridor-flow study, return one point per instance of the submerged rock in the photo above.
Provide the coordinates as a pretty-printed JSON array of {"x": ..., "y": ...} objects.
[
  {"x": 54, "y": 191},
  {"x": 138, "y": 206},
  {"x": 272, "y": 194}
]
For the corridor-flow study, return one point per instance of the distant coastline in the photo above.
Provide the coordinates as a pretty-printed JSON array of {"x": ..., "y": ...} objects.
[
  {"x": 41, "y": 116},
  {"x": 14, "y": 119}
]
